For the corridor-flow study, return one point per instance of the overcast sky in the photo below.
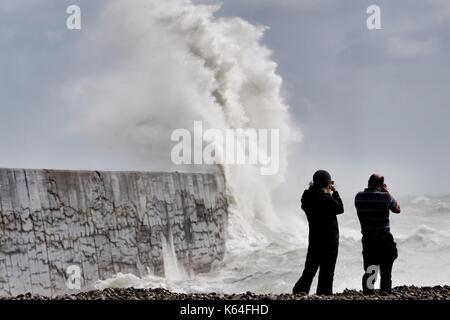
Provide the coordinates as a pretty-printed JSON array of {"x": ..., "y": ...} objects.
[{"x": 365, "y": 100}]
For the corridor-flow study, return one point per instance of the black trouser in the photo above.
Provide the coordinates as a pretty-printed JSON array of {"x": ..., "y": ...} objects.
[
  {"x": 320, "y": 255},
  {"x": 379, "y": 254},
  {"x": 371, "y": 269}
]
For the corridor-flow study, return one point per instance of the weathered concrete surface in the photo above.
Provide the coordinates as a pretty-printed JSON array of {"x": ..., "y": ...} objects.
[{"x": 105, "y": 223}]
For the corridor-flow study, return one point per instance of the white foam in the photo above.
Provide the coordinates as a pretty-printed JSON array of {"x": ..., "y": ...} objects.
[{"x": 175, "y": 62}]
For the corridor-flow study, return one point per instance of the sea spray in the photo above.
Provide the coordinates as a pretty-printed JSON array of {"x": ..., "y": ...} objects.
[{"x": 175, "y": 63}]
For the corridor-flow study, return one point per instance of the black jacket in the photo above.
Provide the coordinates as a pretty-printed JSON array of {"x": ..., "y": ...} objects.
[{"x": 321, "y": 209}]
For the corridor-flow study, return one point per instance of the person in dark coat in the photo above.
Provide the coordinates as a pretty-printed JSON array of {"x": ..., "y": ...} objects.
[{"x": 321, "y": 203}]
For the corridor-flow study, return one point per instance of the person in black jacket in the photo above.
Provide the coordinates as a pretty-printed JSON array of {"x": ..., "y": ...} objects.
[{"x": 321, "y": 203}]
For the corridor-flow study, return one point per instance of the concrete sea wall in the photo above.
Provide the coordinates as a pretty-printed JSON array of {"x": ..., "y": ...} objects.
[{"x": 102, "y": 223}]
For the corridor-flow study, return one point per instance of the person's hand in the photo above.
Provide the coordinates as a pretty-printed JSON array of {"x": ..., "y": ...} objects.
[
  {"x": 333, "y": 186},
  {"x": 330, "y": 188},
  {"x": 384, "y": 188}
]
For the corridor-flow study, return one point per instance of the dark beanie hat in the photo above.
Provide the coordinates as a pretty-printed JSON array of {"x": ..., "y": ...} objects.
[{"x": 321, "y": 178}]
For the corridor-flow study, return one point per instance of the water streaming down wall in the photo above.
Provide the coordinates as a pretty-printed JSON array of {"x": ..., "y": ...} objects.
[{"x": 105, "y": 223}]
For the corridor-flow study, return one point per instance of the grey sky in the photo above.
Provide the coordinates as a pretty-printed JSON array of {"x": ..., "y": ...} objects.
[{"x": 365, "y": 100}]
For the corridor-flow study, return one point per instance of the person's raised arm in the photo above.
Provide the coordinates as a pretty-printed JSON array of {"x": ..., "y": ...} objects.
[
  {"x": 334, "y": 201},
  {"x": 338, "y": 205},
  {"x": 393, "y": 205}
]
